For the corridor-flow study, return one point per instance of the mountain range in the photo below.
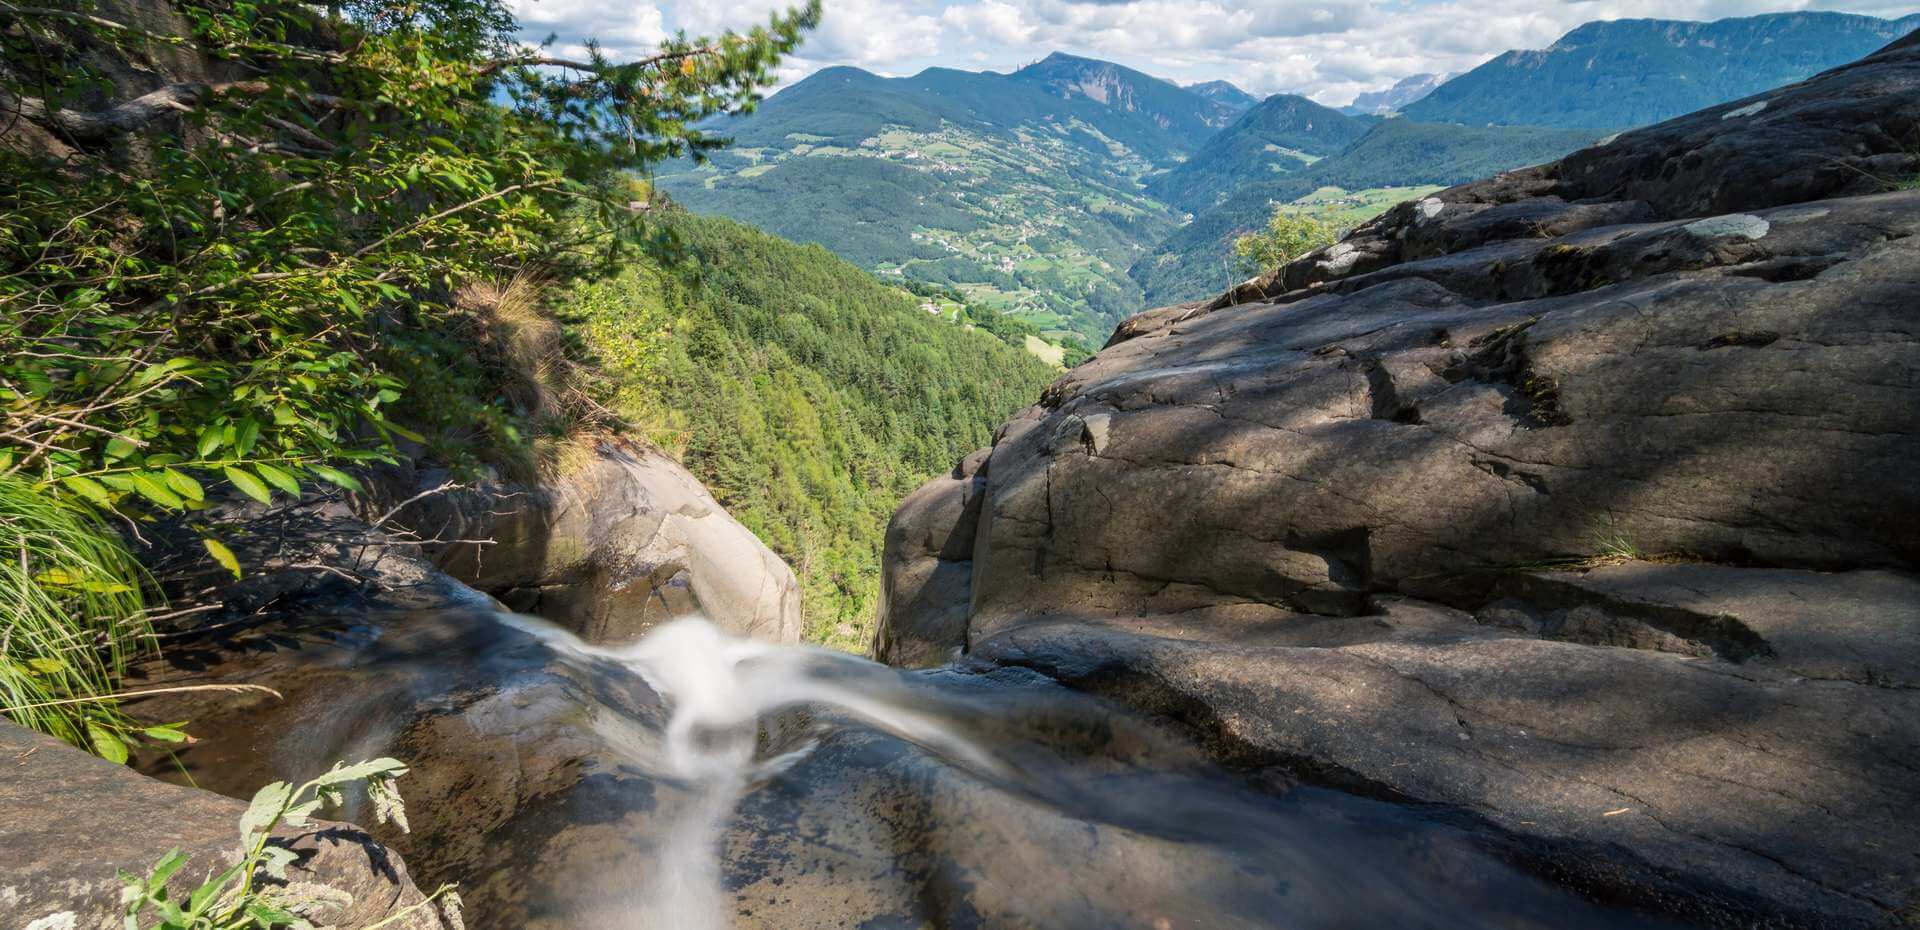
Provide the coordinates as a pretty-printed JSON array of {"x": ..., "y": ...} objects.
[
  {"x": 1632, "y": 72},
  {"x": 1074, "y": 192}
]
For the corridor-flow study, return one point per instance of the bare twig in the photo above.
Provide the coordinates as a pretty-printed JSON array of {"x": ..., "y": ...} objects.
[{"x": 444, "y": 486}]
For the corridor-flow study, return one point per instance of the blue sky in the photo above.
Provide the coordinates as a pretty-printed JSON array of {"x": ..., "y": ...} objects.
[{"x": 1328, "y": 51}]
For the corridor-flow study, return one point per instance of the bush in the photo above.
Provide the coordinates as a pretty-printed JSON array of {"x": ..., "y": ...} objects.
[
  {"x": 1289, "y": 235},
  {"x": 253, "y": 892}
]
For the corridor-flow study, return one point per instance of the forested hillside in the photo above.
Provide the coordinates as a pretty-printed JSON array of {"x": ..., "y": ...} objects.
[
  {"x": 808, "y": 396},
  {"x": 1195, "y": 262},
  {"x": 1632, "y": 72}
]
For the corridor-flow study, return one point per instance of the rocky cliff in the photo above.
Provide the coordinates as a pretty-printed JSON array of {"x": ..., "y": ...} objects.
[{"x": 1579, "y": 500}]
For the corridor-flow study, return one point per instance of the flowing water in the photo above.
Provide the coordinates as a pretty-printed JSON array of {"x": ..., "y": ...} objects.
[
  {"x": 693, "y": 781},
  {"x": 717, "y": 689}
]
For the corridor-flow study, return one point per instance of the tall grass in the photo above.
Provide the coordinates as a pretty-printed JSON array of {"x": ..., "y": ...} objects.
[{"x": 72, "y": 613}]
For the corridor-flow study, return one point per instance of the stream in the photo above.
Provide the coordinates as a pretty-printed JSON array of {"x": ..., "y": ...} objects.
[{"x": 693, "y": 781}]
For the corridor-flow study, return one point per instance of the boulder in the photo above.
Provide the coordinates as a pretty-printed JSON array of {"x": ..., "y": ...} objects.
[
  {"x": 69, "y": 822},
  {"x": 617, "y": 544},
  {"x": 1580, "y": 499},
  {"x": 925, "y": 567}
]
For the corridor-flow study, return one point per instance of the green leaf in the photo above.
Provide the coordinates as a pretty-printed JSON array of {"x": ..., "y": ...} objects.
[
  {"x": 184, "y": 486},
  {"x": 245, "y": 435},
  {"x": 221, "y": 554},
  {"x": 342, "y": 773},
  {"x": 278, "y": 477},
  {"x": 119, "y": 447},
  {"x": 154, "y": 489},
  {"x": 164, "y": 869},
  {"x": 165, "y": 734},
  {"x": 277, "y": 858},
  {"x": 211, "y": 439},
  {"x": 90, "y": 489},
  {"x": 210, "y": 890},
  {"x": 266, "y": 915},
  {"x": 402, "y": 431},
  {"x": 106, "y": 744},
  {"x": 248, "y": 484},
  {"x": 264, "y": 811},
  {"x": 335, "y": 476}
]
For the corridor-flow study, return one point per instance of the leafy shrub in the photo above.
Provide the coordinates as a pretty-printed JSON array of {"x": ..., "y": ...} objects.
[
  {"x": 253, "y": 893},
  {"x": 228, "y": 312},
  {"x": 1289, "y": 235}
]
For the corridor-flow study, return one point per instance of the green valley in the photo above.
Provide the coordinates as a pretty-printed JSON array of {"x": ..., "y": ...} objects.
[
  {"x": 1022, "y": 190},
  {"x": 1027, "y": 222}
]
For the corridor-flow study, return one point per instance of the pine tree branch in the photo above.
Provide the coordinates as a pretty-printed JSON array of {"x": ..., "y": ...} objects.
[{"x": 593, "y": 67}]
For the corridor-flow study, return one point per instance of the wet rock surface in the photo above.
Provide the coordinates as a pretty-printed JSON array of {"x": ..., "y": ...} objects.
[
  {"x": 538, "y": 783},
  {"x": 1580, "y": 499}
]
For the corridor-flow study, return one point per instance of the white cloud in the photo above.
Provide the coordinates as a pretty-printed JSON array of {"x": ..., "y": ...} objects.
[{"x": 1329, "y": 51}]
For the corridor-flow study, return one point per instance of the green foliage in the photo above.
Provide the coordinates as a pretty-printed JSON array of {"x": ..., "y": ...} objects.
[
  {"x": 1288, "y": 236},
  {"x": 253, "y": 892},
  {"x": 75, "y": 614},
  {"x": 807, "y": 395},
  {"x": 236, "y": 310},
  {"x": 244, "y": 294}
]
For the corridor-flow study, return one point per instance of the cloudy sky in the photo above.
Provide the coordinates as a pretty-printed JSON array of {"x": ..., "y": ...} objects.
[{"x": 1327, "y": 51}]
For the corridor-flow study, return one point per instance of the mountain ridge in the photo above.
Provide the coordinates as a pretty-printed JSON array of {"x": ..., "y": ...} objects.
[{"x": 1633, "y": 72}]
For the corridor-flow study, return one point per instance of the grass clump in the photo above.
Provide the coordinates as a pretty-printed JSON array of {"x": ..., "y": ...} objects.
[{"x": 74, "y": 614}]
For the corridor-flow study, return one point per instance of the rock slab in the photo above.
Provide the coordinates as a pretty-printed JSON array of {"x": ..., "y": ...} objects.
[{"x": 1580, "y": 499}]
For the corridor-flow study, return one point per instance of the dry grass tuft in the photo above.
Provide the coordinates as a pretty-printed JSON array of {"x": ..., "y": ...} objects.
[{"x": 526, "y": 352}]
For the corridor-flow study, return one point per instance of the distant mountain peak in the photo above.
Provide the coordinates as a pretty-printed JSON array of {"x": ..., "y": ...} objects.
[
  {"x": 1405, "y": 91},
  {"x": 1122, "y": 88},
  {"x": 1225, "y": 93}
]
